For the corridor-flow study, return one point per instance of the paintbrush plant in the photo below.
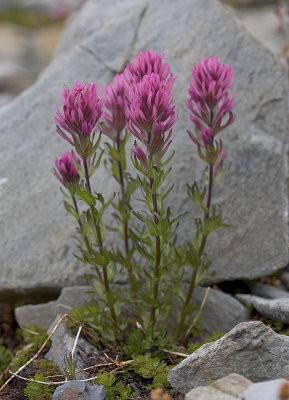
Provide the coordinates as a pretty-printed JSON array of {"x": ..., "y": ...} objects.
[{"x": 139, "y": 103}]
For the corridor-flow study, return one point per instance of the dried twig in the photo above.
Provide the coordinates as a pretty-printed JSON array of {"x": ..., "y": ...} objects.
[
  {"x": 123, "y": 365},
  {"x": 50, "y": 383},
  {"x": 75, "y": 342},
  {"x": 35, "y": 355},
  {"x": 29, "y": 331},
  {"x": 195, "y": 320},
  {"x": 175, "y": 353}
]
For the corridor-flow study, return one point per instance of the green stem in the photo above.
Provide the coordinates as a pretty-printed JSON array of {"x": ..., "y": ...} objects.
[
  {"x": 157, "y": 259},
  {"x": 84, "y": 235},
  {"x": 125, "y": 222},
  {"x": 101, "y": 250},
  {"x": 201, "y": 250}
]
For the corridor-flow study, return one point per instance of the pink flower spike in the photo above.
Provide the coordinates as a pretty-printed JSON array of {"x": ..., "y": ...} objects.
[
  {"x": 219, "y": 163},
  {"x": 114, "y": 98},
  {"x": 207, "y": 135},
  {"x": 146, "y": 63},
  {"x": 81, "y": 111},
  {"x": 139, "y": 153},
  {"x": 65, "y": 170},
  {"x": 150, "y": 112},
  {"x": 210, "y": 102}
]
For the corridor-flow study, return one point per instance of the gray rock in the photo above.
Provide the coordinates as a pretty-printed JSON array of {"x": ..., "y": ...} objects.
[
  {"x": 271, "y": 390},
  {"x": 228, "y": 388},
  {"x": 5, "y": 98},
  {"x": 73, "y": 390},
  {"x": 268, "y": 291},
  {"x": 208, "y": 392},
  {"x": 284, "y": 276},
  {"x": 263, "y": 24},
  {"x": 250, "y": 349},
  {"x": 62, "y": 343},
  {"x": 274, "y": 309},
  {"x": 13, "y": 77},
  {"x": 36, "y": 257},
  {"x": 233, "y": 384},
  {"x": 55, "y": 8},
  {"x": 42, "y": 315},
  {"x": 221, "y": 312}
]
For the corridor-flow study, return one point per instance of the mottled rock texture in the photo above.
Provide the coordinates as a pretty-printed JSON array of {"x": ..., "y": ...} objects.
[
  {"x": 250, "y": 349},
  {"x": 36, "y": 246}
]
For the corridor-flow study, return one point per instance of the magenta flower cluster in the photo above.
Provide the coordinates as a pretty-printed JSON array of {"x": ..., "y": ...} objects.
[
  {"x": 82, "y": 109},
  {"x": 65, "y": 170},
  {"x": 210, "y": 104},
  {"x": 147, "y": 63},
  {"x": 210, "y": 100},
  {"x": 141, "y": 100},
  {"x": 114, "y": 101},
  {"x": 150, "y": 111}
]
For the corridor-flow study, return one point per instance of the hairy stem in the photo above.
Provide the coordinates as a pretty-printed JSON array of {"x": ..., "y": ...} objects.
[
  {"x": 157, "y": 259},
  {"x": 202, "y": 245},
  {"x": 125, "y": 222},
  {"x": 201, "y": 250},
  {"x": 101, "y": 250},
  {"x": 84, "y": 235}
]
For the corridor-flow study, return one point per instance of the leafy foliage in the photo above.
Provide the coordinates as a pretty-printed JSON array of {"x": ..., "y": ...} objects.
[
  {"x": 34, "y": 339},
  {"x": 151, "y": 368},
  {"x": 114, "y": 390},
  {"x": 195, "y": 346},
  {"x": 21, "y": 357},
  {"x": 38, "y": 391},
  {"x": 5, "y": 357},
  {"x": 34, "y": 336},
  {"x": 94, "y": 318}
]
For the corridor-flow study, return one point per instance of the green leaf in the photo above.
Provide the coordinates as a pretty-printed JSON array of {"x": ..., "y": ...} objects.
[
  {"x": 167, "y": 192},
  {"x": 192, "y": 256},
  {"x": 95, "y": 163},
  {"x": 86, "y": 196},
  {"x": 159, "y": 179},
  {"x": 71, "y": 210},
  {"x": 153, "y": 227},
  {"x": 143, "y": 252},
  {"x": 197, "y": 196},
  {"x": 140, "y": 216},
  {"x": 78, "y": 167},
  {"x": 213, "y": 223},
  {"x": 111, "y": 271},
  {"x": 202, "y": 272}
]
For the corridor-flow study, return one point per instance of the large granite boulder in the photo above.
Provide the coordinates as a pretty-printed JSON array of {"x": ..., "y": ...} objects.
[{"x": 36, "y": 245}]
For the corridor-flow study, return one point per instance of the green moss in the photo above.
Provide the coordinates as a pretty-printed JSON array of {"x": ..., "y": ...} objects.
[
  {"x": 25, "y": 17},
  {"x": 114, "y": 390},
  {"x": 195, "y": 346},
  {"x": 153, "y": 369},
  {"x": 38, "y": 391},
  {"x": 5, "y": 357},
  {"x": 252, "y": 3}
]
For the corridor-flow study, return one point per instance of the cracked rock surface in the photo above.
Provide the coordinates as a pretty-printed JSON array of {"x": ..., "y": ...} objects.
[
  {"x": 250, "y": 349},
  {"x": 36, "y": 245},
  {"x": 274, "y": 309}
]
